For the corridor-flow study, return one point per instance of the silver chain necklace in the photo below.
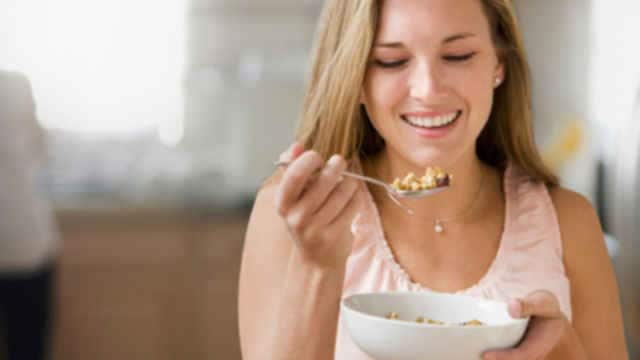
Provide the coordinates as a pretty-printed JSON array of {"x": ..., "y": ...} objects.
[{"x": 437, "y": 223}]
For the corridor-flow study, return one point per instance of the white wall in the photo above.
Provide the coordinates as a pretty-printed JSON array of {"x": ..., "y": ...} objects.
[
  {"x": 559, "y": 42},
  {"x": 247, "y": 62},
  {"x": 99, "y": 67},
  {"x": 615, "y": 67}
]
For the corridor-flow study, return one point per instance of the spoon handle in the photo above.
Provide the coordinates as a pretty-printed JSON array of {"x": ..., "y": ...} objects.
[
  {"x": 351, "y": 174},
  {"x": 367, "y": 179},
  {"x": 387, "y": 187}
]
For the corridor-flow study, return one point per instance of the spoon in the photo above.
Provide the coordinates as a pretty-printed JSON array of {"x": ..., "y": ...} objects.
[{"x": 391, "y": 191}]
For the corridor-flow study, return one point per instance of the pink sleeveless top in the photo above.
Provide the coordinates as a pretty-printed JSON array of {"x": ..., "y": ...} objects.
[{"x": 529, "y": 257}]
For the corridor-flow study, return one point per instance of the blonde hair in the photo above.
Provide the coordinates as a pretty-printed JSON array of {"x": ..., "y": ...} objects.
[{"x": 334, "y": 122}]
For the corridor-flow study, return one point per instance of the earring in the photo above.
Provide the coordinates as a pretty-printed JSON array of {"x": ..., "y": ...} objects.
[{"x": 498, "y": 81}]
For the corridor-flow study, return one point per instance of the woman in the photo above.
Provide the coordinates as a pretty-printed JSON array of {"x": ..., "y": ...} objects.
[{"x": 397, "y": 86}]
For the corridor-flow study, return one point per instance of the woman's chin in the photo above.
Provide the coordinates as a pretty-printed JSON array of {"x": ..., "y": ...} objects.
[
  {"x": 428, "y": 156},
  {"x": 432, "y": 158},
  {"x": 444, "y": 158}
]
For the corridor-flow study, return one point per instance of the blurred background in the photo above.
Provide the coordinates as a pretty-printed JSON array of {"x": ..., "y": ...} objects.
[{"x": 163, "y": 117}]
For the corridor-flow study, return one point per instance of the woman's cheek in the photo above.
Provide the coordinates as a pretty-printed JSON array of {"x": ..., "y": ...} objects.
[{"x": 387, "y": 94}]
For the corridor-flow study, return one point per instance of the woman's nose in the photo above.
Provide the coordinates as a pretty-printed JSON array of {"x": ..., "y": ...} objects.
[{"x": 425, "y": 82}]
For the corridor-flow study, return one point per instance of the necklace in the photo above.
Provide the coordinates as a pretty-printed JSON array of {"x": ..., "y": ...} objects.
[{"x": 437, "y": 223}]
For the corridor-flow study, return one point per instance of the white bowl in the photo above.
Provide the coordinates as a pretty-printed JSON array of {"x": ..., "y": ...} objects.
[{"x": 364, "y": 316}]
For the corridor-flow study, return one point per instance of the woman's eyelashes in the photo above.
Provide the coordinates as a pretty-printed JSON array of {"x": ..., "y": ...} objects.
[
  {"x": 390, "y": 64},
  {"x": 449, "y": 58},
  {"x": 459, "y": 58}
]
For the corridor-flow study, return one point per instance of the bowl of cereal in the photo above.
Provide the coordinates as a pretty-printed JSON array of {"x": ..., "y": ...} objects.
[{"x": 428, "y": 325}]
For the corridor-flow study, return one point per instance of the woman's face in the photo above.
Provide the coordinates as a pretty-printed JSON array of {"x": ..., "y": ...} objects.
[{"x": 428, "y": 88}]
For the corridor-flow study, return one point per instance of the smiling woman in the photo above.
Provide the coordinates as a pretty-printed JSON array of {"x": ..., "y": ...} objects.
[
  {"x": 105, "y": 67},
  {"x": 397, "y": 86}
]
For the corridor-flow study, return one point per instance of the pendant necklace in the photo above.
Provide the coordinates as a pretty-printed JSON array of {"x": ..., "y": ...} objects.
[{"x": 438, "y": 226}]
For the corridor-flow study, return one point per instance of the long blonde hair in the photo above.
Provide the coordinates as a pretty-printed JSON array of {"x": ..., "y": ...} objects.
[{"x": 334, "y": 122}]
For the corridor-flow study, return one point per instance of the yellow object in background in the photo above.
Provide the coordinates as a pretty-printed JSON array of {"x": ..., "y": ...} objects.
[{"x": 564, "y": 146}]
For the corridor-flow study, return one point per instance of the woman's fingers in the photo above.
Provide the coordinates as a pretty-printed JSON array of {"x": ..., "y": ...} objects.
[
  {"x": 335, "y": 204},
  {"x": 292, "y": 153},
  {"x": 540, "y": 303},
  {"x": 311, "y": 197},
  {"x": 308, "y": 200},
  {"x": 316, "y": 195},
  {"x": 295, "y": 178},
  {"x": 546, "y": 327}
]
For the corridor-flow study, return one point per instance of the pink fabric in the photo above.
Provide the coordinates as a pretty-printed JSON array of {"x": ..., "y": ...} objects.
[{"x": 529, "y": 257}]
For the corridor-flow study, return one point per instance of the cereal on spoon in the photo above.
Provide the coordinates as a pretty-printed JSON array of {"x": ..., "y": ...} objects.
[{"x": 433, "y": 178}]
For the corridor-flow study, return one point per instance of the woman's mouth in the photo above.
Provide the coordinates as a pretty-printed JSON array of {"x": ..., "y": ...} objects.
[
  {"x": 432, "y": 125},
  {"x": 432, "y": 122}
]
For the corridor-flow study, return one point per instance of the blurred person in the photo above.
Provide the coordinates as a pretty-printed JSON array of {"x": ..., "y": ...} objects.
[
  {"x": 28, "y": 234},
  {"x": 396, "y": 86}
]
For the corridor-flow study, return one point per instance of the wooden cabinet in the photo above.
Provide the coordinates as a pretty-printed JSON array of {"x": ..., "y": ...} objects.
[{"x": 141, "y": 285}]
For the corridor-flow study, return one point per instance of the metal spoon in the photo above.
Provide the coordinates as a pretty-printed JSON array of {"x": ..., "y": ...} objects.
[{"x": 391, "y": 191}]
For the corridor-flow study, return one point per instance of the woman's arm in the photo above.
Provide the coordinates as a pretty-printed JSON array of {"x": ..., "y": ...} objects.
[
  {"x": 297, "y": 243},
  {"x": 597, "y": 318},
  {"x": 288, "y": 309}
]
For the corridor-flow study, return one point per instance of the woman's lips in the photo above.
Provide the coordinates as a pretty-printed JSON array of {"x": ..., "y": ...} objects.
[{"x": 433, "y": 126}]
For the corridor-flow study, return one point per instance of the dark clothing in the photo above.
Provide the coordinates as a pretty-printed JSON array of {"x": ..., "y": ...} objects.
[{"x": 25, "y": 312}]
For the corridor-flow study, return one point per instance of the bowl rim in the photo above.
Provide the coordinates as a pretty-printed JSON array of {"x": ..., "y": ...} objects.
[{"x": 344, "y": 305}]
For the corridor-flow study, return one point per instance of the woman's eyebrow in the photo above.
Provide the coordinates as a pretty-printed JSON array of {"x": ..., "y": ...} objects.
[
  {"x": 459, "y": 36},
  {"x": 448, "y": 39}
]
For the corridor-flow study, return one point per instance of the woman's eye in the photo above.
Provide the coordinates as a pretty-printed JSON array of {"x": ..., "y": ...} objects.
[
  {"x": 390, "y": 64},
  {"x": 459, "y": 58}
]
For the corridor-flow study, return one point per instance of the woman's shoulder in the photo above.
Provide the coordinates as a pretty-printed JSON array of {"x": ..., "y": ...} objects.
[
  {"x": 577, "y": 220},
  {"x": 581, "y": 232},
  {"x": 575, "y": 212},
  {"x": 568, "y": 201}
]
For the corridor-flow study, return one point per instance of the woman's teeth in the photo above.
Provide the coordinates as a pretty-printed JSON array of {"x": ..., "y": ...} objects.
[{"x": 431, "y": 122}]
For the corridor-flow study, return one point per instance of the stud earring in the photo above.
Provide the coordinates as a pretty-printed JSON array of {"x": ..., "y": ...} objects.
[{"x": 498, "y": 80}]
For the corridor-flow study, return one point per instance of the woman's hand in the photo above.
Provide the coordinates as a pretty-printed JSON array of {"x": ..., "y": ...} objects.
[
  {"x": 546, "y": 327},
  {"x": 318, "y": 206}
]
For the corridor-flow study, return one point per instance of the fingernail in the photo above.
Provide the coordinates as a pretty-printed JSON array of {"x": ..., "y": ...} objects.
[
  {"x": 334, "y": 160},
  {"x": 286, "y": 155},
  {"x": 296, "y": 147}
]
